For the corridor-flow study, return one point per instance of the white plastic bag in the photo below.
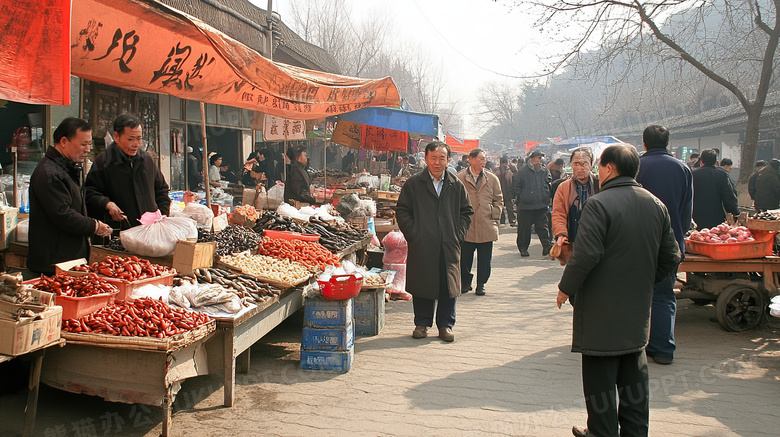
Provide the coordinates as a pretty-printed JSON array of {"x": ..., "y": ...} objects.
[
  {"x": 275, "y": 196},
  {"x": 202, "y": 215},
  {"x": 158, "y": 235}
]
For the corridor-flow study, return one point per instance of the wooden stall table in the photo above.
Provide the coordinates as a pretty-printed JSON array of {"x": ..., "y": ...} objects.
[
  {"x": 131, "y": 370},
  {"x": 33, "y": 386},
  {"x": 235, "y": 336},
  {"x": 768, "y": 266}
]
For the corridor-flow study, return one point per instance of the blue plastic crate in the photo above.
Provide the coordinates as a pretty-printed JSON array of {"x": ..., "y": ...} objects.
[
  {"x": 370, "y": 312},
  {"x": 321, "y": 313},
  {"x": 327, "y": 361},
  {"x": 336, "y": 338}
]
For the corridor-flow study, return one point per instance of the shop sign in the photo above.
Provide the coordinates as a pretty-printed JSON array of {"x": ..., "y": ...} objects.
[
  {"x": 384, "y": 140},
  {"x": 283, "y": 129}
]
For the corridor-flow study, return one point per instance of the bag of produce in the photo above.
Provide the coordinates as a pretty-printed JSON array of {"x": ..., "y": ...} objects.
[
  {"x": 275, "y": 196},
  {"x": 396, "y": 248},
  {"x": 347, "y": 204},
  {"x": 158, "y": 234},
  {"x": 202, "y": 215}
]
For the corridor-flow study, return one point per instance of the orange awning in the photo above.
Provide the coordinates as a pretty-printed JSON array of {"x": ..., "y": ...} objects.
[
  {"x": 35, "y": 52},
  {"x": 147, "y": 46}
]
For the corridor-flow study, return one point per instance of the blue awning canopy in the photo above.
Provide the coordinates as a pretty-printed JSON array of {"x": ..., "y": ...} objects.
[{"x": 396, "y": 119}]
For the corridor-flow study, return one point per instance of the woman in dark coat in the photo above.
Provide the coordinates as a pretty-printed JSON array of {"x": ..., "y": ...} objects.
[{"x": 297, "y": 186}]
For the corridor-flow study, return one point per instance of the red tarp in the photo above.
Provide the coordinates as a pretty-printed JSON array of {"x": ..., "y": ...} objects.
[
  {"x": 146, "y": 46},
  {"x": 35, "y": 52},
  {"x": 459, "y": 146},
  {"x": 530, "y": 145}
]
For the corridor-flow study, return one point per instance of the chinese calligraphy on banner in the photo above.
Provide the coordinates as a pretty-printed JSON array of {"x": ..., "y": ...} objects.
[
  {"x": 35, "y": 61},
  {"x": 281, "y": 129},
  {"x": 383, "y": 140},
  {"x": 127, "y": 43},
  {"x": 347, "y": 134}
]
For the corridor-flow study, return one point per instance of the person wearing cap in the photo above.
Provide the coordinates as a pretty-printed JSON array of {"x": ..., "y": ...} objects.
[
  {"x": 214, "y": 177},
  {"x": 532, "y": 193}
]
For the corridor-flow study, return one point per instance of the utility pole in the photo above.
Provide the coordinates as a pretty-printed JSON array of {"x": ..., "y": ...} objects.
[{"x": 269, "y": 36}]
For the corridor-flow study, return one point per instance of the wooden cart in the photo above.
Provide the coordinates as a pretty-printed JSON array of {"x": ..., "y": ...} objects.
[{"x": 739, "y": 289}]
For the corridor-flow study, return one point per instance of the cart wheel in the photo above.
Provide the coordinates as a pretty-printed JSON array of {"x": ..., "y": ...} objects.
[{"x": 740, "y": 308}]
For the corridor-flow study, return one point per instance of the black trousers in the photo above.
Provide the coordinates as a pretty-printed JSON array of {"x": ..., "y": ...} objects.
[
  {"x": 527, "y": 217},
  {"x": 509, "y": 210},
  {"x": 616, "y": 394},
  {"x": 484, "y": 258},
  {"x": 445, "y": 310}
]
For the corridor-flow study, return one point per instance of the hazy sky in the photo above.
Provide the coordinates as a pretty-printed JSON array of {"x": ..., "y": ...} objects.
[{"x": 476, "y": 40}]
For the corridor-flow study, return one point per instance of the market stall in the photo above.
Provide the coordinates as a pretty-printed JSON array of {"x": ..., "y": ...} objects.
[{"x": 734, "y": 268}]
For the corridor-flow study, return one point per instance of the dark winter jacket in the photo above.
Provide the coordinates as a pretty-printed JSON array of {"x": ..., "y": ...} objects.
[
  {"x": 767, "y": 194},
  {"x": 625, "y": 245},
  {"x": 133, "y": 183},
  {"x": 59, "y": 226},
  {"x": 532, "y": 187},
  {"x": 433, "y": 225},
  {"x": 296, "y": 187},
  {"x": 713, "y": 194},
  {"x": 670, "y": 180}
]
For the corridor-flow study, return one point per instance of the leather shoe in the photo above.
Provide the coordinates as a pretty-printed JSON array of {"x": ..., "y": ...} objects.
[
  {"x": 514, "y": 225},
  {"x": 446, "y": 334},
  {"x": 579, "y": 431},
  {"x": 663, "y": 360},
  {"x": 480, "y": 290},
  {"x": 420, "y": 332},
  {"x": 465, "y": 289},
  {"x": 546, "y": 251},
  {"x": 524, "y": 253}
]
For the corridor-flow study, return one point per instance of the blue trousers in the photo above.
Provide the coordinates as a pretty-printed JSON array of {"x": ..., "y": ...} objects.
[
  {"x": 662, "y": 319},
  {"x": 617, "y": 394},
  {"x": 445, "y": 312},
  {"x": 484, "y": 257}
]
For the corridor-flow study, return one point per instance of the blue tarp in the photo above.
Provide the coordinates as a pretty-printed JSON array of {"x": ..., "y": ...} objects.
[
  {"x": 587, "y": 140},
  {"x": 396, "y": 119}
]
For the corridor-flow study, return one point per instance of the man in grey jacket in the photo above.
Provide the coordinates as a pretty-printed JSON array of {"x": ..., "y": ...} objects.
[
  {"x": 532, "y": 191},
  {"x": 625, "y": 244}
]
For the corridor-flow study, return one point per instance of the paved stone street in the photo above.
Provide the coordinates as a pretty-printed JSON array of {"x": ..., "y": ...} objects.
[{"x": 509, "y": 372}]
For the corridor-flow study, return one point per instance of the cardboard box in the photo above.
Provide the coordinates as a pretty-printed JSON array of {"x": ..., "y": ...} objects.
[
  {"x": 190, "y": 255},
  {"x": 20, "y": 337},
  {"x": 64, "y": 267},
  {"x": 10, "y": 218}
]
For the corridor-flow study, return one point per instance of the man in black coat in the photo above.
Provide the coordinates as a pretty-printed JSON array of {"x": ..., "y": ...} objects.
[
  {"x": 531, "y": 187},
  {"x": 625, "y": 244},
  {"x": 297, "y": 187},
  {"x": 713, "y": 193},
  {"x": 124, "y": 181},
  {"x": 59, "y": 226},
  {"x": 434, "y": 213}
]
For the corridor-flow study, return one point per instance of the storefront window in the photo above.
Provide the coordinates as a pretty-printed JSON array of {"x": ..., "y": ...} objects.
[
  {"x": 193, "y": 111},
  {"x": 175, "y": 108},
  {"x": 211, "y": 113},
  {"x": 148, "y": 109},
  {"x": 246, "y": 118},
  {"x": 229, "y": 116}
]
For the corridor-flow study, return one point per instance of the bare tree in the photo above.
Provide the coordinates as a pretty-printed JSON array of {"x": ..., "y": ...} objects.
[
  {"x": 729, "y": 42},
  {"x": 499, "y": 105}
]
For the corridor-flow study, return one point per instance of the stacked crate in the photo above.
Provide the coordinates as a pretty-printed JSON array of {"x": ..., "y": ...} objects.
[
  {"x": 370, "y": 312},
  {"x": 327, "y": 343}
]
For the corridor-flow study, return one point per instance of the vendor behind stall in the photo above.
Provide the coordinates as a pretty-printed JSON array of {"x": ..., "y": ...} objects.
[
  {"x": 297, "y": 187},
  {"x": 124, "y": 181},
  {"x": 215, "y": 161},
  {"x": 59, "y": 226}
]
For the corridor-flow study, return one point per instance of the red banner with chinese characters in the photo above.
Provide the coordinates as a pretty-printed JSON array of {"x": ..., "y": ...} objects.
[
  {"x": 146, "y": 46},
  {"x": 456, "y": 146},
  {"x": 380, "y": 139},
  {"x": 35, "y": 51}
]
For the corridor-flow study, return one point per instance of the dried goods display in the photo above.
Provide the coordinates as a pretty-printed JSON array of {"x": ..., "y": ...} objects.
[
  {"x": 116, "y": 244},
  {"x": 129, "y": 268},
  {"x": 281, "y": 271},
  {"x": 20, "y": 295},
  {"x": 723, "y": 233},
  {"x": 335, "y": 236},
  {"x": 247, "y": 211},
  {"x": 766, "y": 215},
  {"x": 63, "y": 284},
  {"x": 245, "y": 286},
  {"x": 308, "y": 253},
  {"x": 143, "y": 318},
  {"x": 232, "y": 239}
]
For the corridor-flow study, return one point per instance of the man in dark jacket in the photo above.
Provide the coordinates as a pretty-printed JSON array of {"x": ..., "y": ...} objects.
[
  {"x": 59, "y": 226},
  {"x": 532, "y": 193},
  {"x": 752, "y": 181},
  {"x": 767, "y": 187},
  {"x": 297, "y": 187},
  {"x": 505, "y": 176},
  {"x": 670, "y": 180},
  {"x": 434, "y": 214},
  {"x": 124, "y": 181},
  {"x": 624, "y": 245},
  {"x": 714, "y": 193}
]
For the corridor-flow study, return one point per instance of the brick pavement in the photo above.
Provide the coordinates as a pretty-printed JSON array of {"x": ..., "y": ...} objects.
[{"x": 509, "y": 372}]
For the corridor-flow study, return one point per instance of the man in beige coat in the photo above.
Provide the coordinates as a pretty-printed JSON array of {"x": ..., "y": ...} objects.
[{"x": 484, "y": 190}]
